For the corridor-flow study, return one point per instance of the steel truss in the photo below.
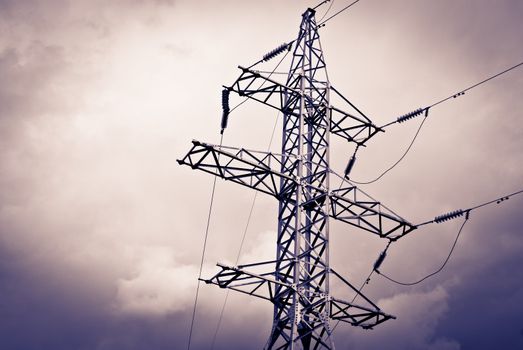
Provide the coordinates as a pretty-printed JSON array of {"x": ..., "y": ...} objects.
[{"x": 297, "y": 281}]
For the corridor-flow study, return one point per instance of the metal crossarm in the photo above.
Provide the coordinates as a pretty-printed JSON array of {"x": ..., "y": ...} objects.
[
  {"x": 263, "y": 285},
  {"x": 364, "y": 316},
  {"x": 255, "y": 86},
  {"x": 355, "y": 315},
  {"x": 247, "y": 168},
  {"x": 256, "y": 170},
  {"x": 347, "y": 206},
  {"x": 353, "y": 128}
]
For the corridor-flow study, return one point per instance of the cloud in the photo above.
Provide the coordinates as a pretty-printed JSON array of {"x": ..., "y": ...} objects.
[
  {"x": 101, "y": 231},
  {"x": 419, "y": 313},
  {"x": 260, "y": 248},
  {"x": 159, "y": 286},
  {"x": 422, "y": 312}
]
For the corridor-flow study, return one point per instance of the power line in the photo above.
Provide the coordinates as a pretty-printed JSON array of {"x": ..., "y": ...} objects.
[
  {"x": 203, "y": 257},
  {"x": 462, "y": 92},
  {"x": 497, "y": 200},
  {"x": 337, "y": 13},
  {"x": 326, "y": 12},
  {"x": 460, "y": 212},
  {"x": 450, "y": 216},
  {"x": 220, "y": 318},
  {"x": 419, "y": 111},
  {"x": 457, "y": 94},
  {"x": 438, "y": 270}
]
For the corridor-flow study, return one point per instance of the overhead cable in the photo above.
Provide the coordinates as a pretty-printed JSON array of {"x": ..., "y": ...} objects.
[
  {"x": 326, "y": 12},
  {"x": 457, "y": 213},
  {"x": 438, "y": 270},
  {"x": 462, "y": 92},
  {"x": 400, "y": 159},
  {"x": 322, "y": 24},
  {"x": 203, "y": 256},
  {"x": 420, "y": 111},
  {"x": 455, "y": 95},
  {"x": 440, "y": 219},
  {"x": 222, "y": 311}
]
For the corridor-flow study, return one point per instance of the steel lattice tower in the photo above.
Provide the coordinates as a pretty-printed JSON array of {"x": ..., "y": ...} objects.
[
  {"x": 297, "y": 281},
  {"x": 300, "y": 308}
]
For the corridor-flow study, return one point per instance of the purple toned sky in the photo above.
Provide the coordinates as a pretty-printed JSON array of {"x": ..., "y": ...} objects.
[{"x": 101, "y": 230}]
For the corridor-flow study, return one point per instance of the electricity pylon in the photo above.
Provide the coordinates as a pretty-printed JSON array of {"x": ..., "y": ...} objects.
[{"x": 297, "y": 281}]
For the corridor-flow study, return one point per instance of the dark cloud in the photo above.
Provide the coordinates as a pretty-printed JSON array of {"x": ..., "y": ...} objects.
[
  {"x": 490, "y": 283},
  {"x": 100, "y": 231},
  {"x": 28, "y": 75}
]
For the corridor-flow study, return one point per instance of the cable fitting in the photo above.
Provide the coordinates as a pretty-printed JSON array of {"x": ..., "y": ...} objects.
[{"x": 502, "y": 199}]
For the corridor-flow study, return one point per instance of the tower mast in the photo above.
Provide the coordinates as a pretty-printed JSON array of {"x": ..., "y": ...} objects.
[{"x": 303, "y": 221}]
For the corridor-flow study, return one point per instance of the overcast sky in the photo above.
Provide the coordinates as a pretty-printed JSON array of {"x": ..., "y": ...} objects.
[{"x": 101, "y": 230}]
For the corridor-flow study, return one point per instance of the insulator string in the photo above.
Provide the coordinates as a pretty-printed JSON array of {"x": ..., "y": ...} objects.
[
  {"x": 457, "y": 213},
  {"x": 400, "y": 159}
]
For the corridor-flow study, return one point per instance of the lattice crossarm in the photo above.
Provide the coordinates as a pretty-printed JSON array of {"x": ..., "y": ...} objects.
[
  {"x": 262, "y": 285},
  {"x": 351, "y": 127},
  {"x": 256, "y": 170},
  {"x": 357, "y": 209},
  {"x": 356, "y": 315},
  {"x": 365, "y": 316},
  {"x": 263, "y": 89}
]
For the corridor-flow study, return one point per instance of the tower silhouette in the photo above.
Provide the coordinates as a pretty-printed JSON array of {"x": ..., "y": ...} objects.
[{"x": 297, "y": 281}]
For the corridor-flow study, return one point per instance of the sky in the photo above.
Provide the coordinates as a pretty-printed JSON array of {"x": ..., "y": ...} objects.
[{"x": 101, "y": 230}]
